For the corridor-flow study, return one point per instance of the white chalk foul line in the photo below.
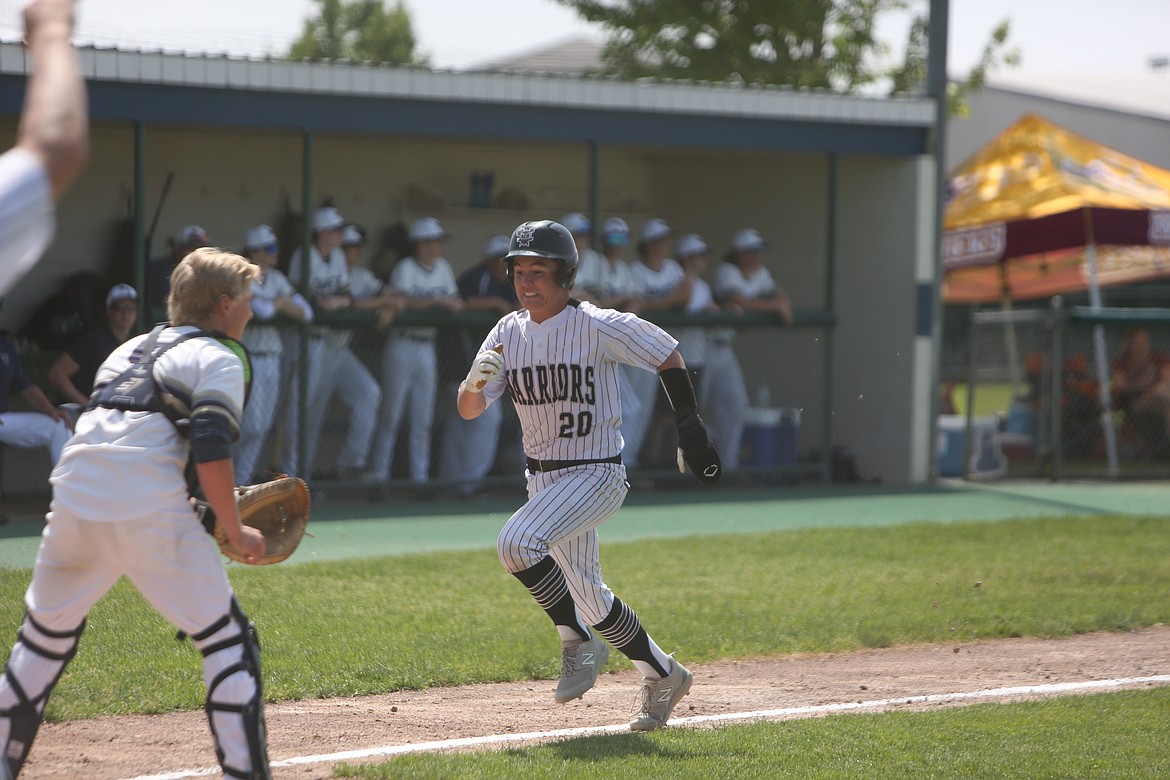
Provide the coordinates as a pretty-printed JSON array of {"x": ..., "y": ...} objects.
[{"x": 785, "y": 712}]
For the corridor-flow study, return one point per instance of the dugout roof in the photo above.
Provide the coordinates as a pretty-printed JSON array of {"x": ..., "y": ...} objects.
[{"x": 191, "y": 89}]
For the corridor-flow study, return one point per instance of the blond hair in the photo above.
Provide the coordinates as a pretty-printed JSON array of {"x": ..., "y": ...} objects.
[{"x": 201, "y": 279}]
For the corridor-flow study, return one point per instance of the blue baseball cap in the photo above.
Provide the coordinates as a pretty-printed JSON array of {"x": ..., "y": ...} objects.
[
  {"x": 616, "y": 232},
  {"x": 577, "y": 223}
]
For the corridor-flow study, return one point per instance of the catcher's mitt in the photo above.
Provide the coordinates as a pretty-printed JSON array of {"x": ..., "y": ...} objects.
[{"x": 278, "y": 509}]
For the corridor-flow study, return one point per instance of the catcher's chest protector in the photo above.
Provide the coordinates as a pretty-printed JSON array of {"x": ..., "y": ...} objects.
[{"x": 138, "y": 390}]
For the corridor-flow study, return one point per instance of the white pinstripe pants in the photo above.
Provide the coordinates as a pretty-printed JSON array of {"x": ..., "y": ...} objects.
[{"x": 564, "y": 509}]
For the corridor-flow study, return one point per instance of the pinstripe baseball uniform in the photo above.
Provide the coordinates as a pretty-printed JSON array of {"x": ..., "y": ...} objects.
[
  {"x": 27, "y": 215},
  {"x": 265, "y": 348},
  {"x": 724, "y": 393},
  {"x": 562, "y": 375},
  {"x": 334, "y": 369},
  {"x": 410, "y": 371},
  {"x": 560, "y": 360}
]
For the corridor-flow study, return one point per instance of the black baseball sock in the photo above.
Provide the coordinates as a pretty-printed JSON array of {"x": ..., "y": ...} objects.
[
  {"x": 622, "y": 629},
  {"x": 546, "y": 582}
]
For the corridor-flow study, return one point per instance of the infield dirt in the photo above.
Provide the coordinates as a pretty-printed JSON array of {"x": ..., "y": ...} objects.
[{"x": 131, "y": 746}]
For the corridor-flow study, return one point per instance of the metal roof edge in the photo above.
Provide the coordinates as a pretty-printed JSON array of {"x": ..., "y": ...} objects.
[{"x": 222, "y": 71}]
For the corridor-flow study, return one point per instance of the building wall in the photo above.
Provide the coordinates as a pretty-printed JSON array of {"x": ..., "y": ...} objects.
[{"x": 878, "y": 372}]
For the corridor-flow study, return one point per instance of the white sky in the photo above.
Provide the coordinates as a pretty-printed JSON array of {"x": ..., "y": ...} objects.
[{"x": 1058, "y": 38}]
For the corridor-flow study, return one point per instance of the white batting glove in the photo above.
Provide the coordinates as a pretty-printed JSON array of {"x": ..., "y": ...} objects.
[{"x": 486, "y": 366}]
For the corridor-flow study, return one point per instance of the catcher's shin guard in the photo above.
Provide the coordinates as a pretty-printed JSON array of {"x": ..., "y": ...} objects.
[
  {"x": 235, "y": 701},
  {"x": 36, "y": 664}
]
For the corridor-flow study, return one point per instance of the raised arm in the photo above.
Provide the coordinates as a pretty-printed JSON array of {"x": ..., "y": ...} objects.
[{"x": 54, "y": 125}]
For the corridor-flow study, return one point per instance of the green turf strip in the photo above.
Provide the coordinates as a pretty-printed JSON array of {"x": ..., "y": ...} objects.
[
  {"x": 1117, "y": 735},
  {"x": 383, "y": 624}
]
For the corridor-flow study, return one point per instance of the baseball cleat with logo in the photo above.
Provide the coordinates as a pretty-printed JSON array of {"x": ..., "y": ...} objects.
[
  {"x": 581, "y": 662},
  {"x": 658, "y": 698}
]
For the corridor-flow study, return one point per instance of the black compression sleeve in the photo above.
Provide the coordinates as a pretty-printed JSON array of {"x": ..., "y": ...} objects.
[{"x": 679, "y": 390}]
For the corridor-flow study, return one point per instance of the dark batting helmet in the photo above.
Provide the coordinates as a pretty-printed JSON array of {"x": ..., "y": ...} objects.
[{"x": 545, "y": 238}]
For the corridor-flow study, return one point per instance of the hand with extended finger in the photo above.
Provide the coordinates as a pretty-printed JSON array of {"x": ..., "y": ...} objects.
[{"x": 486, "y": 366}]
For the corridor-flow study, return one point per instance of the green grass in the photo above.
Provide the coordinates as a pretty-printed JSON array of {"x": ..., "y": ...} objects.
[
  {"x": 379, "y": 625},
  {"x": 1118, "y": 735}
]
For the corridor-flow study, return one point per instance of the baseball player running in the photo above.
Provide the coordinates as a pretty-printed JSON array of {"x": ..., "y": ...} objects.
[
  {"x": 559, "y": 359},
  {"x": 120, "y": 507}
]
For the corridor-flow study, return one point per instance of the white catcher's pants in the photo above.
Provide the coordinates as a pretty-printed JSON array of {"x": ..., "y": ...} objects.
[{"x": 170, "y": 559}]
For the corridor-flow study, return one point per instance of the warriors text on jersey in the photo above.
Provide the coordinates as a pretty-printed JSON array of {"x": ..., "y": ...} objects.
[{"x": 563, "y": 376}]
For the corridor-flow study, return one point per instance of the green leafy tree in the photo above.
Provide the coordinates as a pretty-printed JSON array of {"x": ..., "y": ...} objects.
[
  {"x": 909, "y": 77},
  {"x": 360, "y": 31},
  {"x": 820, "y": 44}
]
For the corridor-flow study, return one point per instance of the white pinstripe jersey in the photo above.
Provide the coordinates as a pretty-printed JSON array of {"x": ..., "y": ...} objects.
[
  {"x": 563, "y": 376},
  {"x": 27, "y": 216}
]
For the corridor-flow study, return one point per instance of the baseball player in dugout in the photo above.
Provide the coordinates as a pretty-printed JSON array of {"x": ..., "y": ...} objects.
[
  {"x": 558, "y": 358},
  {"x": 410, "y": 373},
  {"x": 120, "y": 506}
]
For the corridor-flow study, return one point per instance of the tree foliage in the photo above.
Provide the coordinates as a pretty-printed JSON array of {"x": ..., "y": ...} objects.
[
  {"x": 819, "y": 44},
  {"x": 360, "y": 31}
]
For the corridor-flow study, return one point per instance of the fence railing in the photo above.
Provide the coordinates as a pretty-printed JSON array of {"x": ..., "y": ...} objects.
[{"x": 367, "y": 413}]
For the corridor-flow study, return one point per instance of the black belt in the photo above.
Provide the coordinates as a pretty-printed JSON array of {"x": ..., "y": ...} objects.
[
  {"x": 412, "y": 337},
  {"x": 535, "y": 465}
]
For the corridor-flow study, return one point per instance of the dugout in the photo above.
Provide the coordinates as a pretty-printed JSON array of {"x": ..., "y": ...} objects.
[{"x": 842, "y": 187}]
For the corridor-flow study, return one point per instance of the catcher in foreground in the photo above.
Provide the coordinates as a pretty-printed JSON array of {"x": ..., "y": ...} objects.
[{"x": 120, "y": 507}]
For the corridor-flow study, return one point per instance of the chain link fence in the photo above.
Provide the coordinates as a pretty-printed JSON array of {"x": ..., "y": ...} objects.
[{"x": 1060, "y": 393}]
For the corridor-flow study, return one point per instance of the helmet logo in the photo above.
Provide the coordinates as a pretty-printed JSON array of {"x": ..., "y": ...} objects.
[{"x": 524, "y": 235}]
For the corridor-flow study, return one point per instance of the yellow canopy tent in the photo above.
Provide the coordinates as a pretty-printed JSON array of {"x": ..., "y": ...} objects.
[
  {"x": 1023, "y": 212},
  {"x": 1042, "y": 211}
]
